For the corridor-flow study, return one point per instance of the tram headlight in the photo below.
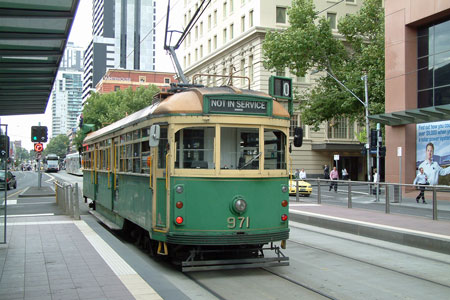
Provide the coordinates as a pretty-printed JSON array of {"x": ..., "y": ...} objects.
[
  {"x": 239, "y": 205},
  {"x": 179, "y": 189},
  {"x": 284, "y": 188}
]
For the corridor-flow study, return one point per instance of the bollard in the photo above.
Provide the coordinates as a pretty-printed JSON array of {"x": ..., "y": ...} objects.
[
  {"x": 318, "y": 192},
  {"x": 388, "y": 208},
  {"x": 56, "y": 193},
  {"x": 66, "y": 199},
  {"x": 77, "y": 203},
  {"x": 435, "y": 212},
  {"x": 71, "y": 200},
  {"x": 349, "y": 194}
]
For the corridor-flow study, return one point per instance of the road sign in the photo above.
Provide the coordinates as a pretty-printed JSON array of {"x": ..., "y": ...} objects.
[
  {"x": 336, "y": 157},
  {"x": 38, "y": 147}
]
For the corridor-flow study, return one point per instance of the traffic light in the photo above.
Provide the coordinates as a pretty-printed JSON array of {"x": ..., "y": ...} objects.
[
  {"x": 373, "y": 138},
  {"x": 4, "y": 146},
  {"x": 39, "y": 134}
]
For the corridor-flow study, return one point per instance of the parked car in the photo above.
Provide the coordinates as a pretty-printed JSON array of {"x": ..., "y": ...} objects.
[
  {"x": 304, "y": 188},
  {"x": 10, "y": 180}
]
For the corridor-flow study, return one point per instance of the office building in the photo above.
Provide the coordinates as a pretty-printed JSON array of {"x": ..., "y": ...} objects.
[
  {"x": 67, "y": 91},
  {"x": 123, "y": 37},
  {"x": 417, "y": 50}
]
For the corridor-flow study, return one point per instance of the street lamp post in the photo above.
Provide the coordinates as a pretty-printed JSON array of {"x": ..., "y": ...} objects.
[{"x": 366, "y": 106}]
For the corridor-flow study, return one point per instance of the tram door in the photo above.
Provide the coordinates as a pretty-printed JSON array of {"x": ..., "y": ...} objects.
[{"x": 159, "y": 181}]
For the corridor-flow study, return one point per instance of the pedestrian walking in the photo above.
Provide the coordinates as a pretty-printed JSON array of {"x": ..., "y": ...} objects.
[
  {"x": 344, "y": 174},
  {"x": 334, "y": 175},
  {"x": 326, "y": 172},
  {"x": 422, "y": 180},
  {"x": 302, "y": 174}
]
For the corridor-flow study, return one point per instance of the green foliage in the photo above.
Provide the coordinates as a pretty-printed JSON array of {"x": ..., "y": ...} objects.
[
  {"x": 22, "y": 154},
  {"x": 57, "y": 145},
  {"x": 309, "y": 44},
  {"x": 104, "y": 109}
]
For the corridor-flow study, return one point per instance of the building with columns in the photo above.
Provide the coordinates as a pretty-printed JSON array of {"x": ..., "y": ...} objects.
[{"x": 228, "y": 38}]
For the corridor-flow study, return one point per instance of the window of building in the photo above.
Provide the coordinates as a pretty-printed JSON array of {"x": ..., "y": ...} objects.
[
  {"x": 281, "y": 15},
  {"x": 209, "y": 22},
  {"x": 250, "y": 68},
  {"x": 242, "y": 23},
  {"x": 209, "y": 46},
  {"x": 116, "y": 88},
  {"x": 201, "y": 51},
  {"x": 201, "y": 29},
  {"x": 340, "y": 128},
  {"x": 215, "y": 17},
  {"x": 224, "y": 10},
  {"x": 196, "y": 54},
  {"x": 250, "y": 19},
  {"x": 350, "y": 1},
  {"x": 142, "y": 79},
  {"x": 224, "y": 35},
  {"x": 242, "y": 72},
  {"x": 433, "y": 59},
  {"x": 215, "y": 42},
  {"x": 231, "y": 31},
  {"x": 196, "y": 32},
  {"x": 166, "y": 80},
  {"x": 331, "y": 17},
  {"x": 231, "y": 6}
]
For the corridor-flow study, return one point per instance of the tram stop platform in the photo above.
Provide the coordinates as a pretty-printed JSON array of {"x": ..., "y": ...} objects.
[{"x": 49, "y": 255}]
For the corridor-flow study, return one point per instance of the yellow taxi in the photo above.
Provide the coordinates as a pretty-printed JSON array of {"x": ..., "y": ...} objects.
[{"x": 304, "y": 188}]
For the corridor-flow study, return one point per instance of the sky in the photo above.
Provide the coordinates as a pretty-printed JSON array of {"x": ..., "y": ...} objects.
[{"x": 19, "y": 127}]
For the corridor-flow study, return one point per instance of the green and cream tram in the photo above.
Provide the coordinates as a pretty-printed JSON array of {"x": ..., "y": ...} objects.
[{"x": 200, "y": 171}]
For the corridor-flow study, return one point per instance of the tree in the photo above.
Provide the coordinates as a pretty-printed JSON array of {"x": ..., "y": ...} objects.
[
  {"x": 310, "y": 44},
  {"x": 104, "y": 109},
  {"x": 57, "y": 145}
]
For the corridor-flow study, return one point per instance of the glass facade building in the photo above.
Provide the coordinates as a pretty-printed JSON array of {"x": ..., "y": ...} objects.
[{"x": 433, "y": 62}]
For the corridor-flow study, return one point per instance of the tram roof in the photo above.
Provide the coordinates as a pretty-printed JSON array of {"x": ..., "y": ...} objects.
[{"x": 186, "y": 102}]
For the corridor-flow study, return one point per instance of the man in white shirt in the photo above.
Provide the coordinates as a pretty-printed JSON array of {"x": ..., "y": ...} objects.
[
  {"x": 302, "y": 174},
  {"x": 432, "y": 168}
]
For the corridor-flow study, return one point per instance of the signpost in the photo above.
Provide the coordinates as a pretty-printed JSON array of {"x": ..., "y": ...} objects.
[{"x": 336, "y": 159}]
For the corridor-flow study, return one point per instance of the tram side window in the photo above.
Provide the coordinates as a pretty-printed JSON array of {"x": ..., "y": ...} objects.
[
  {"x": 274, "y": 149},
  {"x": 239, "y": 148},
  {"x": 162, "y": 147},
  {"x": 195, "y": 148},
  {"x": 145, "y": 155},
  {"x": 136, "y": 158}
]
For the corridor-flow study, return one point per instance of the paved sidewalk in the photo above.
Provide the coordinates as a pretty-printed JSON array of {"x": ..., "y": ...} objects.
[{"x": 51, "y": 256}]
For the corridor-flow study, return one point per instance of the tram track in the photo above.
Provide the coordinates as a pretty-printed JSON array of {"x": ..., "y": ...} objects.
[{"x": 373, "y": 264}]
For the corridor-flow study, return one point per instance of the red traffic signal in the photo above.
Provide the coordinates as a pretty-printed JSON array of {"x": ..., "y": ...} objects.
[{"x": 38, "y": 147}]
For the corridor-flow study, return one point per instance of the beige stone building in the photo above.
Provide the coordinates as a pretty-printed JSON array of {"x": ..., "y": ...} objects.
[{"x": 228, "y": 38}]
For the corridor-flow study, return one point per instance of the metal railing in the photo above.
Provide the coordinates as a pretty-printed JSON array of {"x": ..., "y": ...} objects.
[
  {"x": 67, "y": 198},
  {"x": 392, "y": 194}
]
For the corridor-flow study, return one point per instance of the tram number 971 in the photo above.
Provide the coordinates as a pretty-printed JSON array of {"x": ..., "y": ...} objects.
[{"x": 239, "y": 222}]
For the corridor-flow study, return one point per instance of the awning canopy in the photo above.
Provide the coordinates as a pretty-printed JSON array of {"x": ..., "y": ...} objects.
[
  {"x": 414, "y": 116},
  {"x": 33, "y": 36}
]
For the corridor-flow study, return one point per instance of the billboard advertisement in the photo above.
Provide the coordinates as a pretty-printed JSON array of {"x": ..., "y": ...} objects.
[{"x": 433, "y": 151}]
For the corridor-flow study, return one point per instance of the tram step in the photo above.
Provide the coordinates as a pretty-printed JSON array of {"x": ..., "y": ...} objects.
[
  {"x": 228, "y": 264},
  {"x": 104, "y": 220}
]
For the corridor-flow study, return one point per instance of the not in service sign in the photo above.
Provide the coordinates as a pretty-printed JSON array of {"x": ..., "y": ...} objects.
[{"x": 237, "y": 106}]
